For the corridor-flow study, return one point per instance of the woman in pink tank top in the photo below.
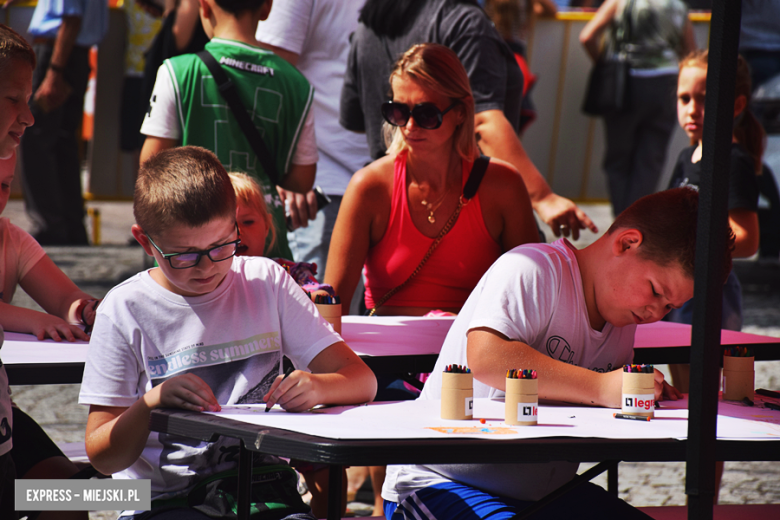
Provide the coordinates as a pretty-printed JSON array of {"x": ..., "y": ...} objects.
[{"x": 395, "y": 207}]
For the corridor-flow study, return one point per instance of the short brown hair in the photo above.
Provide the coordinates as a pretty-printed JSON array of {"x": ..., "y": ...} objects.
[
  {"x": 437, "y": 68},
  {"x": 249, "y": 193},
  {"x": 667, "y": 221},
  {"x": 12, "y": 45},
  {"x": 185, "y": 185}
]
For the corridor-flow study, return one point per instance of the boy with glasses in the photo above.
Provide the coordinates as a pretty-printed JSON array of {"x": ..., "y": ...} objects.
[{"x": 203, "y": 329}]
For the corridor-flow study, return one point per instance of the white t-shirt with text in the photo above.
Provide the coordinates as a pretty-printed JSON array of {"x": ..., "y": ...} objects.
[
  {"x": 233, "y": 338},
  {"x": 531, "y": 294}
]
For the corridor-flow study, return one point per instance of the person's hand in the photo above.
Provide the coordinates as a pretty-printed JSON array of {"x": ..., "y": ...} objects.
[
  {"x": 86, "y": 311},
  {"x": 663, "y": 390},
  {"x": 612, "y": 389},
  {"x": 563, "y": 216},
  {"x": 52, "y": 92},
  {"x": 187, "y": 391},
  {"x": 48, "y": 326},
  {"x": 296, "y": 393},
  {"x": 301, "y": 208}
]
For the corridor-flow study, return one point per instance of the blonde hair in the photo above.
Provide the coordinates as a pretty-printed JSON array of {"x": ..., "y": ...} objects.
[
  {"x": 437, "y": 68},
  {"x": 250, "y": 194},
  {"x": 12, "y": 45},
  {"x": 186, "y": 185}
]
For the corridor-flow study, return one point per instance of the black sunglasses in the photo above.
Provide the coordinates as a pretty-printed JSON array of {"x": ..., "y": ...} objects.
[
  {"x": 426, "y": 115},
  {"x": 191, "y": 259}
]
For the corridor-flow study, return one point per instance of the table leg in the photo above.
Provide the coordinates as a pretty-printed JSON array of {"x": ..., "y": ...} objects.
[
  {"x": 335, "y": 473},
  {"x": 244, "y": 481},
  {"x": 596, "y": 470},
  {"x": 612, "y": 480}
]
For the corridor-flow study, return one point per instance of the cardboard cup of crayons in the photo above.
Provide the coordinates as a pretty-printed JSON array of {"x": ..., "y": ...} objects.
[
  {"x": 521, "y": 403},
  {"x": 638, "y": 391},
  {"x": 738, "y": 377},
  {"x": 332, "y": 314},
  {"x": 457, "y": 395}
]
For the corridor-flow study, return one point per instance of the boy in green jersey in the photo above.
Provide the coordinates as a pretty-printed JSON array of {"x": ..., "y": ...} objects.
[{"x": 187, "y": 108}]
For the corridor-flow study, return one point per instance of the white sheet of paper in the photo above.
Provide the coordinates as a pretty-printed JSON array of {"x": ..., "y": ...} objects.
[{"x": 420, "y": 420}]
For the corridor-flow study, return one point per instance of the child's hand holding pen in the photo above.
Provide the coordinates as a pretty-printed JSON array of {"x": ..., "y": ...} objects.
[
  {"x": 663, "y": 390},
  {"x": 295, "y": 391}
]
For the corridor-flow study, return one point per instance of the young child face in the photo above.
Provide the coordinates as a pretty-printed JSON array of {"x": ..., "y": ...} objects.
[
  {"x": 691, "y": 91},
  {"x": 206, "y": 275},
  {"x": 7, "y": 167},
  {"x": 637, "y": 290},
  {"x": 15, "y": 115},
  {"x": 253, "y": 228}
]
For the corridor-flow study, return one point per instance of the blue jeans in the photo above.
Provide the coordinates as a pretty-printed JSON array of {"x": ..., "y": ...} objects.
[{"x": 455, "y": 501}]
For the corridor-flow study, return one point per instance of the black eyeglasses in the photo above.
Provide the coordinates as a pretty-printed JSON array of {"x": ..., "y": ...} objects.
[
  {"x": 192, "y": 258},
  {"x": 426, "y": 115}
]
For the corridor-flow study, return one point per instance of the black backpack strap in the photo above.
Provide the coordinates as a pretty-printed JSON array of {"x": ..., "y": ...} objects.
[
  {"x": 250, "y": 131},
  {"x": 475, "y": 177}
]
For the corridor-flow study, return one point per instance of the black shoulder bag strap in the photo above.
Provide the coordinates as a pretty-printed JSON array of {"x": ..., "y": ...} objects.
[
  {"x": 475, "y": 177},
  {"x": 250, "y": 131},
  {"x": 478, "y": 170}
]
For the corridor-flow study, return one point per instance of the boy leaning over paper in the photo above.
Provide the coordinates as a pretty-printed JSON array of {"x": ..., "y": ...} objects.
[
  {"x": 204, "y": 329},
  {"x": 570, "y": 315}
]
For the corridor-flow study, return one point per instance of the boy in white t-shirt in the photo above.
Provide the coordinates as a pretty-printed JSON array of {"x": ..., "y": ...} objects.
[
  {"x": 203, "y": 329},
  {"x": 570, "y": 315}
]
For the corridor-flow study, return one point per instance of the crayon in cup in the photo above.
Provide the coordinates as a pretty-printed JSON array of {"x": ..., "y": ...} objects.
[
  {"x": 638, "y": 390},
  {"x": 521, "y": 402},
  {"x": 330, "y": 309},
  {"x": 457, "y": 393},
  {"x": 738, "y": 373}
]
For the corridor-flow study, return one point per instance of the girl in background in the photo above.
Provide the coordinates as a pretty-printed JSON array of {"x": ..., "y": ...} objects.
[{"x": 747, "y": 148}]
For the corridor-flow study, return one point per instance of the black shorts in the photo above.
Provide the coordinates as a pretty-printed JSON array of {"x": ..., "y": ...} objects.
[{"x": 31, "y": 445}]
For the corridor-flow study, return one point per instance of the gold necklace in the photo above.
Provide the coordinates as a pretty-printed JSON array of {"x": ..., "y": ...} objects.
[{"x": 431, "y": 207}]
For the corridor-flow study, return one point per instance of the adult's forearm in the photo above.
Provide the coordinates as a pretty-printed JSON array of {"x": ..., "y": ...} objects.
[
  {"x": 66, "y": 40},
  {"x": 497, "y": 138}
]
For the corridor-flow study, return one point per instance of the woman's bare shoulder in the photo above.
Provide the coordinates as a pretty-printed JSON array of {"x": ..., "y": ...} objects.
[
  {"x": 376, "y": 176},
  {"x": 502, "y": 183}
]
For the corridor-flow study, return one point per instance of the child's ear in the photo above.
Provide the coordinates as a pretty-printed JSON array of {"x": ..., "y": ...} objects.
[
  {"x": 265, "y": 9},
  {"x": 142, "y": 239},
  {"x": 739, "y": 105},
  {"x": 626, "y": 240}
]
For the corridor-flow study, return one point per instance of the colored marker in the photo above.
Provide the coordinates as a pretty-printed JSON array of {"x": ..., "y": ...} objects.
[
  {"x": 287, "y": 373},
  {"x": 768, "y": 393},
  {"x": 631, "y": 417}
]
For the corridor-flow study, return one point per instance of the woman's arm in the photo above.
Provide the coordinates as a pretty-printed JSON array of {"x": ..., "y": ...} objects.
[
  {"x": 590, "y": 37},
  {"x": 506, "y": 207},
  {"x": 497, "y": 139},
  {"x": 361, "y": 222},
  {"x": 744, "y": 223}
]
